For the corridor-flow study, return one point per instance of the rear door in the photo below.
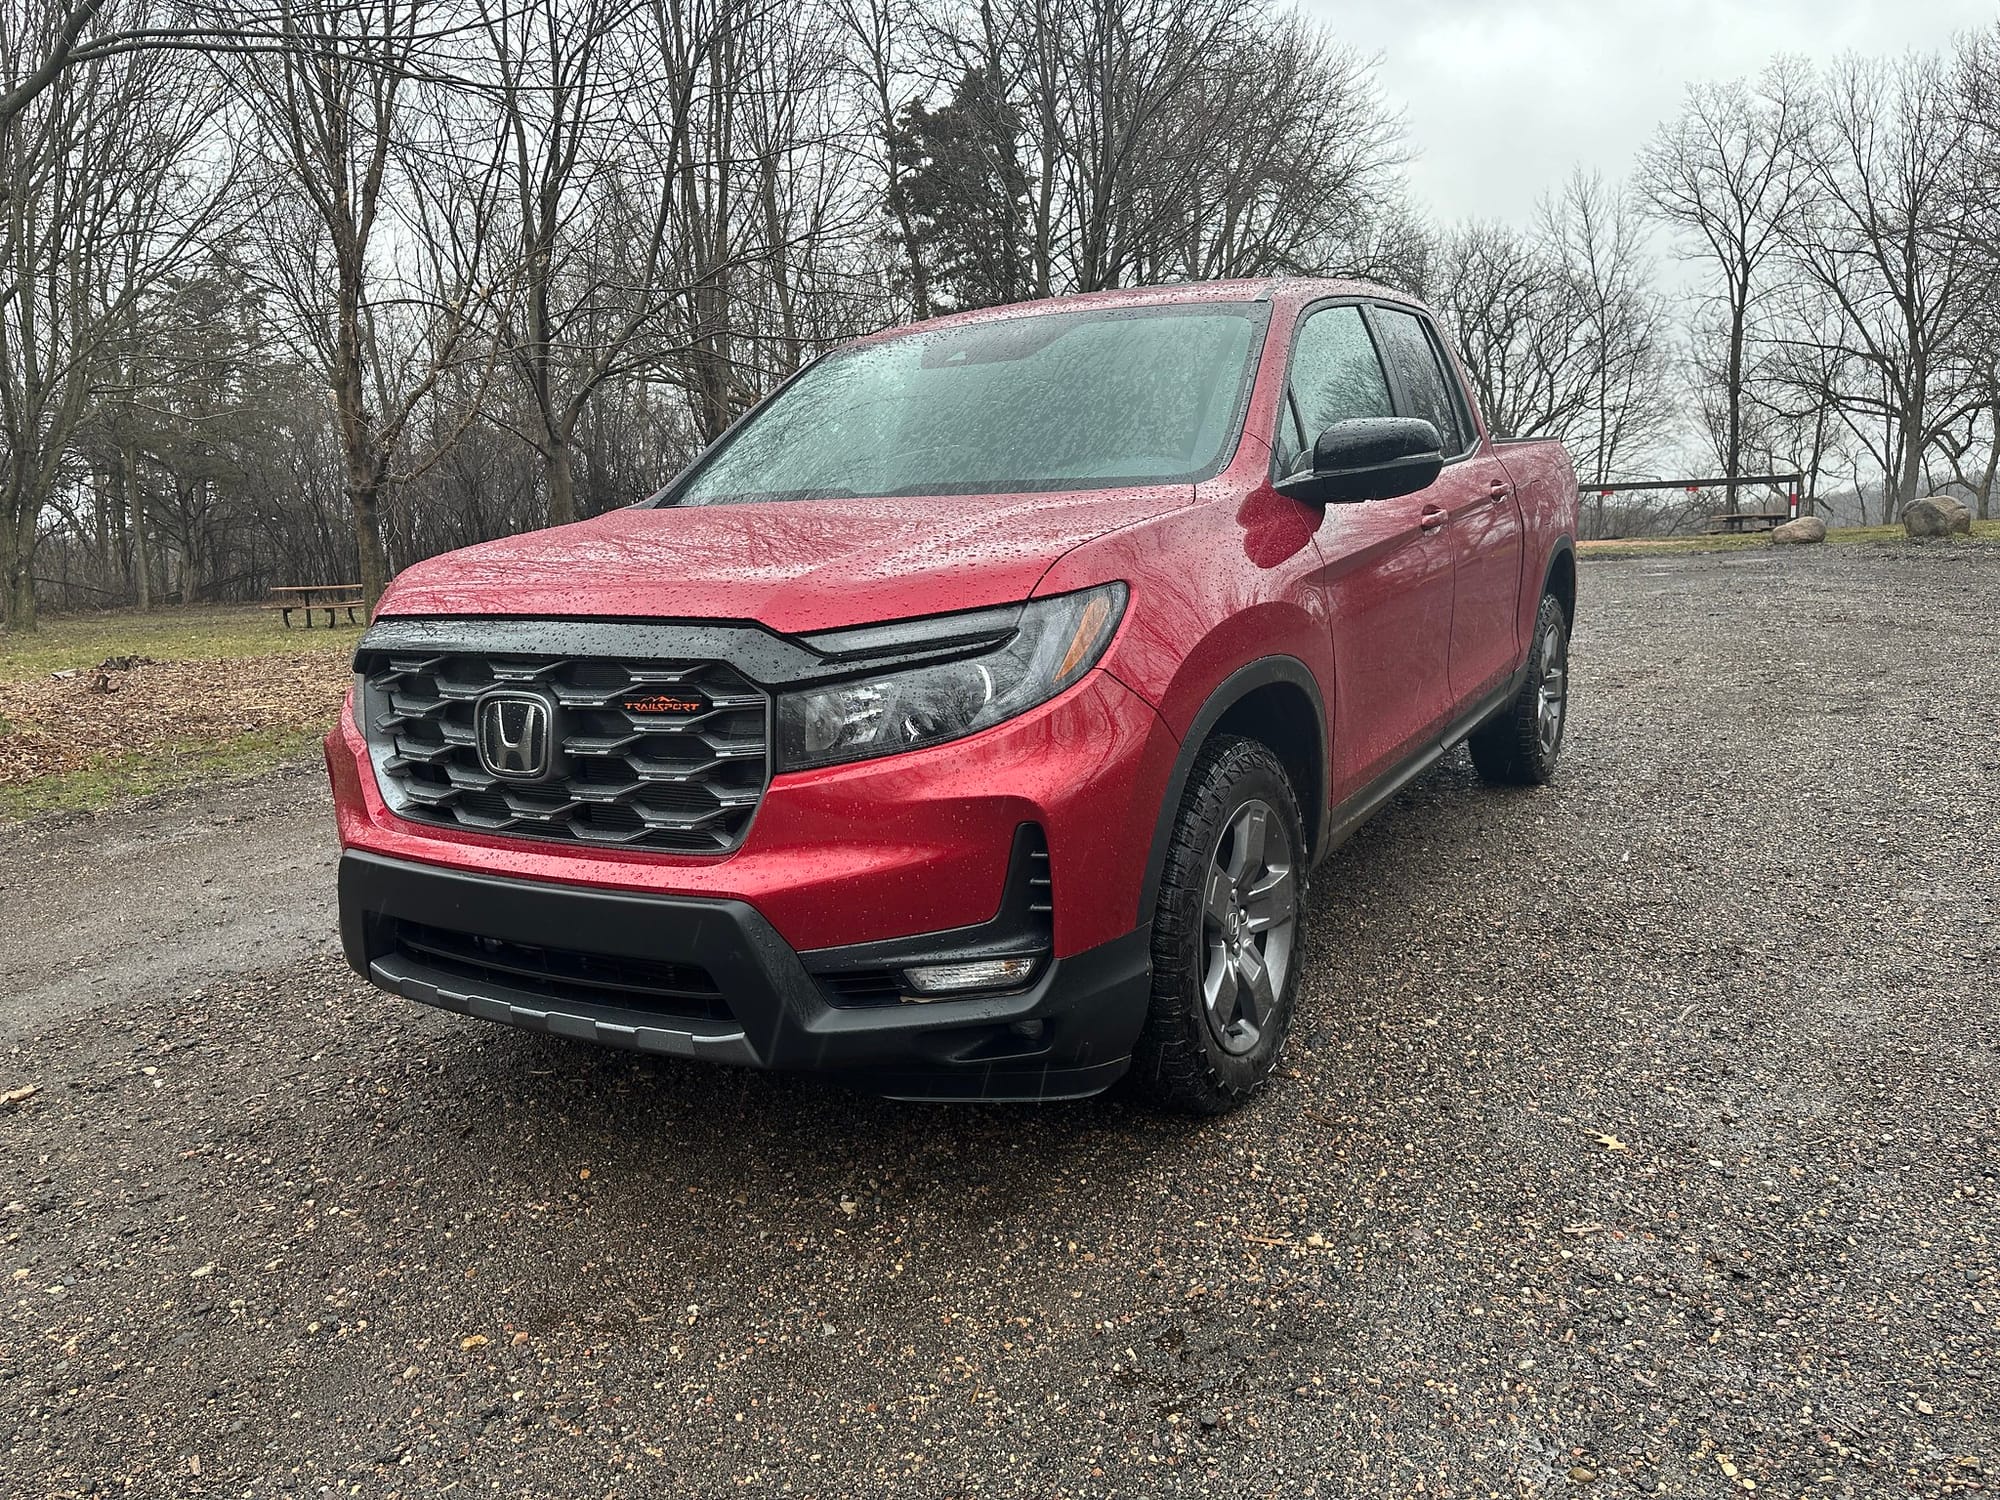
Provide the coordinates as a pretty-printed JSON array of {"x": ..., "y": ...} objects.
[
  {"x": 1387, "y": 574},
  {"x": 1474, "y": 509}
]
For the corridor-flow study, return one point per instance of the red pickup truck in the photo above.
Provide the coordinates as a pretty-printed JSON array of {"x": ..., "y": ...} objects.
[{"x": 966, "y": 720}]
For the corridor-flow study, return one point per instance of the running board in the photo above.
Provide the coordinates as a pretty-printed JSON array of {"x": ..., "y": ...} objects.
[{"x": 1364, "y": 804}]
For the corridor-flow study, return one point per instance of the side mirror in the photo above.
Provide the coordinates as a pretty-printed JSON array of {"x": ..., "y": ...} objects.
[{"x": 1368, "y": 458}]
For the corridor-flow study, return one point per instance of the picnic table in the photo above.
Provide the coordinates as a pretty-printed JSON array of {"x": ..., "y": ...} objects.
[
  {"x": 1748, "y": 520},
  {"x": 309, "y": 597}
]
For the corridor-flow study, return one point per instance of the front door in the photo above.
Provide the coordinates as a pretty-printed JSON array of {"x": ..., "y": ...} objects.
[
  {"x": 1486, "y": 534},
  {"x": 1481, "y": 517},
  {"x": 1388, "y": 570}
]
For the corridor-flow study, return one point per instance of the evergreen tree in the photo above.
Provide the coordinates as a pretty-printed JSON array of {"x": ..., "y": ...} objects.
[{"x": 967, "y": 191}]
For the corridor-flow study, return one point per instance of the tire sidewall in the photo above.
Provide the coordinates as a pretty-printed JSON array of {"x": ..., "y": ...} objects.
[{"x": 1247, "y": 773}]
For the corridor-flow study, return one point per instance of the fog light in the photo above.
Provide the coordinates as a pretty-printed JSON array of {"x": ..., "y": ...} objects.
[{"x": 984, "y": 974}]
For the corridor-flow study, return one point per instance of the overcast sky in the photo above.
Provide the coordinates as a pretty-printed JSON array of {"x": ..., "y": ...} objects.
[{"x": 1503, "y": 98}]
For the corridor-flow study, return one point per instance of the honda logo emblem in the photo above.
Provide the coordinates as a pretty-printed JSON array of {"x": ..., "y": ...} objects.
[{"x": 516, "y": 735}]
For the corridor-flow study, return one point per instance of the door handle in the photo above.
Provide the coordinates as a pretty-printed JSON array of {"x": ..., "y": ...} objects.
[
  {"x": 1433, "y": 517},
  {"x": 1499, "y": 490}
]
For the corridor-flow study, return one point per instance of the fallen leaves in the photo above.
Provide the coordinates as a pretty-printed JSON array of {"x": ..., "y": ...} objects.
[
  {"x": 14, "y": 1098},
  {"x": 67, "y": 721}
]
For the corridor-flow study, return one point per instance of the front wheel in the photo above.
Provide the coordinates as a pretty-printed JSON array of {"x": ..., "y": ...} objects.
[
  {"x": 1226, "y": 933},
  {"x": 1518, "y": 745}
]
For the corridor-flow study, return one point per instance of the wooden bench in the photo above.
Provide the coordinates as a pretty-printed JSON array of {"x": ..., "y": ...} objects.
[
  {"x": 1740, "y": 521},
  {"x": 307, "y": 598}
]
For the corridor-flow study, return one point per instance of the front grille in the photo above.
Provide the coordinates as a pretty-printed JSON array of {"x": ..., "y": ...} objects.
[
  {"x": 681, "y": 780},
  {"x": 685, "y": 991}
]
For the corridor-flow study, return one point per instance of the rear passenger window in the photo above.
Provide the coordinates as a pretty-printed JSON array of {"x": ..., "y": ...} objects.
[
  {"x": 1427, "y": 388},
  {"x": 1335, "y": 376}
]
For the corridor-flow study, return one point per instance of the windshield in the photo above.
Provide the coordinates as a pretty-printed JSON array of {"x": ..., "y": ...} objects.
[{"x": 1044, "y": 401}]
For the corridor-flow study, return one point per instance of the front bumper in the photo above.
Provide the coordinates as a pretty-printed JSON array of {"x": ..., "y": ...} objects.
[
  {"x": 711, "y": 978},
  {"x": 875, "y": 850}
]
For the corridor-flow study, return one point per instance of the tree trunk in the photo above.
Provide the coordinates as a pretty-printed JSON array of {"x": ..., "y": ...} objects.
[
  {"x": 142, "y": 547},
  {"x": 103, "y": 485},
  {"x": 17, "y": 578},
  {"x": 121, "y": 526},
  {"x": 21, "y": 602},
  {"x": 359, "y": 440},
  {"x": 364, "y": 500},
  {"x": 559, "y": 472},
  {"x": 1732, "y": 459},
  {"x": 190, "y": 544},
  {"x": 1911, "y": 466},
  {"x": 1992, "y": 470}
]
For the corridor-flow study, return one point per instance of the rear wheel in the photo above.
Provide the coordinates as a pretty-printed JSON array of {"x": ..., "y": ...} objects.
[
  {"x": 1518, "y": 746},
  {"x": 1226, "y": 933}
]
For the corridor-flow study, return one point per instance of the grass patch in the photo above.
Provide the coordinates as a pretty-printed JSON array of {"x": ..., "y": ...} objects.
[
  {"x": 221, "y": 692},
  {"x": 124, "y": 778},
  {"x": 1653, "y": 546},
  {"x": 1982, "y": 531},
  {"x": 73, "y": 642}
]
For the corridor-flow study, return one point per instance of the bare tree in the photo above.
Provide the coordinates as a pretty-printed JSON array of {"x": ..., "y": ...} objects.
[
  {"x": 517, "y": 259},
  {"x": 767, "y": 262},
  {"x": 588, "y": 216},
  {"x": 1791, "y": 414},
  {"x": 1132, "y": 65},
  {"x": 99, "y": 206},
  {"x": 1561, "y": 329},
  {"x": 1884, "y": 256},
  {"x": 1731, "y": 174},
  {"x": 45, "y": 38},
  {"x": 1976, "y": 89},
  {"x": 879, "y": 54},
  {"x": 376, "y": 216},
  {"x": 1299, "y": 164},
  {"x": 1096, "y": 143},
  {"x": 1509, "y": 309},
  {"x": 1594, "y": 239}
]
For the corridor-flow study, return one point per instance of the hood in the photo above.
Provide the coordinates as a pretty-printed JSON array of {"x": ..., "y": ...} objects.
[{"x": 793, "y": 566}]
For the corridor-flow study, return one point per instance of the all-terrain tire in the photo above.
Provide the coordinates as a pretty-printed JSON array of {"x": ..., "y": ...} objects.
[
  {"x": 1519, "y": 745},
  {"x": 1187, "y": 1058}
]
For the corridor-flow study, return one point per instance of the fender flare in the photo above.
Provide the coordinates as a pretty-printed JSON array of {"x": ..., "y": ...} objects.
[
  {"x": 1265, "y": 672},
  {"x": 1564, "y": 548}
]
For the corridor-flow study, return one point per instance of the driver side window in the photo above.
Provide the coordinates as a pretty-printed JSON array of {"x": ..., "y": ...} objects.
[{"x": 1336, "y": 375}]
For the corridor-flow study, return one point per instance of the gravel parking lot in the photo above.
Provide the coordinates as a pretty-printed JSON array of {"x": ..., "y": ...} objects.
[{"x": 1638, "y": 1137}]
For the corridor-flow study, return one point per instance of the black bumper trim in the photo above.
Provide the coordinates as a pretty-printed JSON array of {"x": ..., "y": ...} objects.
[
  {"x": 1092, "y": 1003},
  {"x": 606, "y": 1024}
]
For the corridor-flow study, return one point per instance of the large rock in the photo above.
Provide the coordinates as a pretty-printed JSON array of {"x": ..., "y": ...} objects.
[
  {"x": 1937, "y": 515},
  {"x": 1804, "y": 529}
]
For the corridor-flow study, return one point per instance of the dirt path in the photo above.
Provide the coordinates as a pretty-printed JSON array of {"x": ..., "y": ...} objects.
[
  {"x": 1638, "y": 1136},
  {"x": 151, "y": 904}
]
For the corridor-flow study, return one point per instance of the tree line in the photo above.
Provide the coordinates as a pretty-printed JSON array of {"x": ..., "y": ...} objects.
[{"x": 307, "y": 290}]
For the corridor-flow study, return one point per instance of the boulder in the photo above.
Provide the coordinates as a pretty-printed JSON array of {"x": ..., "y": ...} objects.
[
  {"x": 1804, "y": 529},
  {"x": 1937, "y": 515}
]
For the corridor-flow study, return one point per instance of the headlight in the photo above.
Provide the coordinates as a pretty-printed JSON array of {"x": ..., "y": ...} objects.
[{"x": 1054, "y": 642}]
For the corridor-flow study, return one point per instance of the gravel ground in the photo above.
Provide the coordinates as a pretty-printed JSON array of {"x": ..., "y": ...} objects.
[{"x": 1638, "y": 1137}]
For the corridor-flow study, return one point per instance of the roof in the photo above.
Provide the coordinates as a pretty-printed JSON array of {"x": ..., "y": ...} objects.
[{"x": 1293, "y": 289}]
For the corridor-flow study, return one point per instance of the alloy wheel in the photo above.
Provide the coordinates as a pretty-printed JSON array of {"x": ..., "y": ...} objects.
[
  {"x": 1249, "y": 918},
  {"x": 1553, "y": 701}
]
